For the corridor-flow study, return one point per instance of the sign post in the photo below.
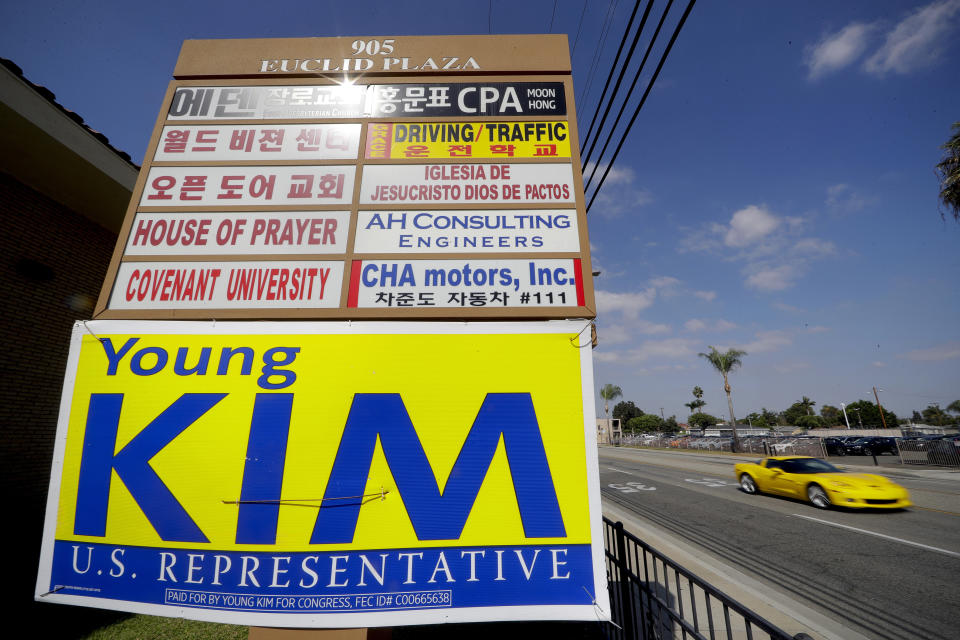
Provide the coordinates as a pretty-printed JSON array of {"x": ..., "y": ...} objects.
[{"x": 317, "y": 471}]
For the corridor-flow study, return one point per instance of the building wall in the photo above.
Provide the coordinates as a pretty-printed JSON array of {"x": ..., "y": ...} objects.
[{"x": 54, "y": 261}]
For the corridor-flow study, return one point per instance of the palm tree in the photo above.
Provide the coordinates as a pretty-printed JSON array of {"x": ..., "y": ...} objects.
[
  {"x": 609, "y": 392},
  {"x": 954, "y": 407},
  {"x": 948, "y": 171},
  {"x": 807, "y": 404},
  {"x": 725, "y": 363},
  {"x": 698, "y": 394}
]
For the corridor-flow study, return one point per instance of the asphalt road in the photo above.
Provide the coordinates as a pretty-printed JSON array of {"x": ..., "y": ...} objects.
[{"x": 886, "y": 575}]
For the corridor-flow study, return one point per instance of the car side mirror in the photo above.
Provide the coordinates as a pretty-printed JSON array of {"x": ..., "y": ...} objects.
[{"x": 776, "y": 472}]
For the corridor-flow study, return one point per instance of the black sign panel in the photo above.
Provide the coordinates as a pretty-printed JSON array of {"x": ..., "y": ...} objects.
[{"x": 369, "y": 101}]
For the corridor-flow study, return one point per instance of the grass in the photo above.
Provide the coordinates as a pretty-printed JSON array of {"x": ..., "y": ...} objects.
[{"x": 139, "y": 627}]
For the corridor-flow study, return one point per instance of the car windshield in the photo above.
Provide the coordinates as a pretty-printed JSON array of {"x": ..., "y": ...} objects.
[{"x": 808, "y": 465}]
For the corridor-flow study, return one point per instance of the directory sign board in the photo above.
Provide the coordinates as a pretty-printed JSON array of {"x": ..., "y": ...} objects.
[
  {"x": 275, "y": 157},
  {"x": 327, "y": 474}
]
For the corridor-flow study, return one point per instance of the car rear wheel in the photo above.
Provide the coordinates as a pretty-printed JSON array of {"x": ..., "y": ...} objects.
[
  {"x": 747, "y": 484},
  {"x": 818, "y": 497},
  {"x": 841, "y": 452}
]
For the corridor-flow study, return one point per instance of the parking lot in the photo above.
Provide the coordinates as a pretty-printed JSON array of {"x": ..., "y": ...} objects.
[{"x": 933, "y": 452}]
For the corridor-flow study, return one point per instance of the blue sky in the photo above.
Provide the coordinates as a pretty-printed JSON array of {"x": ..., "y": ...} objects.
[{"x": 776, "y": 194}]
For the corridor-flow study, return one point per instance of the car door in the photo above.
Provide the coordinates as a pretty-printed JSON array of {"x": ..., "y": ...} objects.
[
  {"x": 767, "y": 476},
  {"x": 786, "y": 483}
]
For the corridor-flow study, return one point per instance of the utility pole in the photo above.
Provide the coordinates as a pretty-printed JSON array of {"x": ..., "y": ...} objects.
[{"x": 882, "y": 419}]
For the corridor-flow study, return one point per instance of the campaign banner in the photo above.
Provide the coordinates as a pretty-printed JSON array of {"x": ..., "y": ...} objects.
[
  {"x": 426, "y": 284},
  {"x": 204, "y": 143},
  {"x": 516, "y": 231},
  {"x": 294, "y": 102},
  {"x": 248, "y": 185},
  {"x": 248, "y": 233},
  {"x": 466, "y": 183},
  {"x": 328, "y": 474},
  {"x": 288, "y": 284},
  {"x": 451, "y": 140}
]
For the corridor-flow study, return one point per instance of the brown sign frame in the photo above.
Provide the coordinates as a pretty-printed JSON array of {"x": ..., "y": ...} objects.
[{"x": 203, "y": 62}]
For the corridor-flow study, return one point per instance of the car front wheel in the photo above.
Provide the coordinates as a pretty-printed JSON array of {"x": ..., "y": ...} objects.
[
  {"x": 818, "y": 497},
  {"x": 747, "y": 484}
]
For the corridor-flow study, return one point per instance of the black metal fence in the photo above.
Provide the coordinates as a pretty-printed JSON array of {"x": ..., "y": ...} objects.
[
  {"x": 652, "y": 598},
  {"x": 940, "y": 453}
]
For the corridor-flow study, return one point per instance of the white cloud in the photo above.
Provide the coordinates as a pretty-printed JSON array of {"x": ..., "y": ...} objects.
[
  {"x": 772, "y": 278},
  {"x": 749, "y": 225},
  {"x": 879, "y": 364},
  {"x": 664, "y": 282},
  {"x": 698, "y": 324},
  {"x": 709, "y": 296},
  {"x": 613, "y": 334},
  {"x": 786, "y": 307},
  {"x": 629, "y": 304},
  {"x": 767, "y": 341},
  {"x": 618, "y": 195},
  {"x": 814, "y": 247},
  {"x": 838, "y": 50},
  {"x": 773, "y": 256},
  {"x": 607, "y": 356},
  {"x": 842, "y": 198},
  {"x": 946, "y": 351},
  {"x": 916, "y": 41},
  {"x": 618, "y": 175},
  {"x": 651, "y": 328},
  {"x": 791, "y": 367},
  {"x": 672, "y": 348}
]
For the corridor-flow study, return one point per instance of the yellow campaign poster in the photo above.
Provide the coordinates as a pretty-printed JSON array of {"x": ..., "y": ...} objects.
[
  {"x": 327, "y": 474},
  {"x": 465, "y": 140}
]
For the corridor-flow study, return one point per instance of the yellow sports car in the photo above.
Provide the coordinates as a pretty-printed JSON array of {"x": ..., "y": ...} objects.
[{"x": 821, "y": 483}]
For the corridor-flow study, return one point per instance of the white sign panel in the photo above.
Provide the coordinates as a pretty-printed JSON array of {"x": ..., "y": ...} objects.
[
  {"x": 424, "y": 284},
  {"x": 253, "y": 233},
  {"x": 227, "y": 285},
  {"x": 276, "y": 142},
  {"x": 527, "y": 230},
  {"x": 466, "y": 183},
  {"x": 227, "y": 186}
]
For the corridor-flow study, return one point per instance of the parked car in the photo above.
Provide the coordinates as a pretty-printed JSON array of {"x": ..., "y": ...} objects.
[
  {"x": 871, "y": 445},
  {"x": 834, "y": 445},
  {"x": 820, "y": 483}
]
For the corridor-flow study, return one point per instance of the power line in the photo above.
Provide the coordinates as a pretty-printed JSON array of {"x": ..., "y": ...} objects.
[
  {"x": 579, "y": 26},
  {"x": 552, "y": 16},
  {"x": 611, "y": 9},
  {"x": 623, "y": 107},
  {"x": 623, "y": 69},
  {"x": 643, "y": 100}
]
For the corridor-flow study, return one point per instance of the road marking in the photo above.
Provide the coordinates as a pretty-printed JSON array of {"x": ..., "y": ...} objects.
[
  {"x": 710, "y": 482},
  {"x": 945, "y": 552},
  {"x": 631, "y": 487},
  {"x": 618, "y": 470}
]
